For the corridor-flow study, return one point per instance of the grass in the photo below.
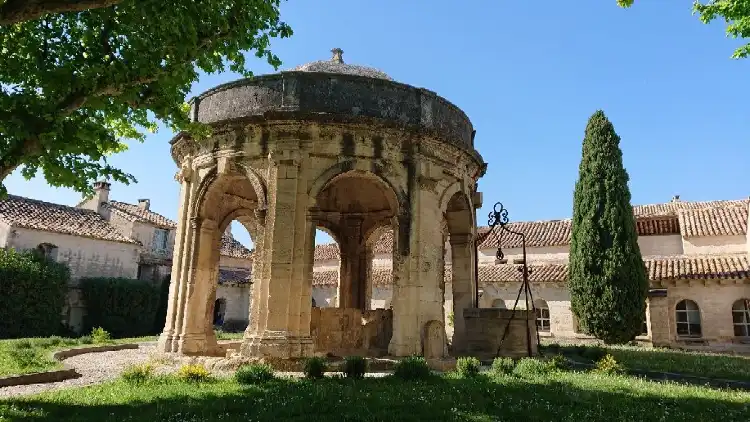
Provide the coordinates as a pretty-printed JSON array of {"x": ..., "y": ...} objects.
[
  {"x": 710, "y": 365},
  {"x": 561, "y": 396}
]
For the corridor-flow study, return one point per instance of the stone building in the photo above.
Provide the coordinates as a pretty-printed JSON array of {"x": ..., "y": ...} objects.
[
  {"x": 105, "y": 238},
  {"x": 696, "y": 253}
]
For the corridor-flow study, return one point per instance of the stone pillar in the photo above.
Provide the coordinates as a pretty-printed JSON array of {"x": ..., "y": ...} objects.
[
  {"x": 418, "y": 289},
  {"x": 183, "y": 250},
  {"x": 275, "y": 331},
  {"x": 257, "y": 292},
  {"x": 463, "y": 279},
  {"x": 351, "y": 293},
  {"x": 660, "y": 319}
]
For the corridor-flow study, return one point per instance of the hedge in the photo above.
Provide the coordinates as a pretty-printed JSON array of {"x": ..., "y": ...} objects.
[
  {"x": 122, "y": 306},
  {"x": 32, "y": 294},
  {"x": 161, "y": 313}
]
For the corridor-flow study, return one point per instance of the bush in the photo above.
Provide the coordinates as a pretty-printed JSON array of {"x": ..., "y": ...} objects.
[
  {"x": 256, "y": 373},
  {"x": 234, "y": 325},
  {"x": 412, "y": 368},
  {"x": 503, "y": 366},
  {"x": 553, "y": 348},
  {"x": 193, "y": 373},
  {"x": 468, "y": 367},
  {"x": 355, "y": 367},
  {"x": 32, "y": 294},
  {"x": 160, "y": 316},
  {"x": 99, "y": 335},
  {"x": 137, "y": 374},
  {"x": 314, "y": 367},
  {"x": 123, "y": 307},
  {"x": 560, "y": 362},
  {"x": 609, "y": 365},
  {"x": 28, "y": 358},
  {"x": 85, "y": 340},
  {"x": 527, "y": 367}
]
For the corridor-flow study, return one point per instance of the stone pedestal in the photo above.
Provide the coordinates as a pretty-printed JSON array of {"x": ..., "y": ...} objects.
[{"x": 485, "y": 328}]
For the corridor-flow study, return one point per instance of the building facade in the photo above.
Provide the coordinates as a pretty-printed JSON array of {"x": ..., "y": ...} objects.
[
  {"x": 696, "y": 255},
  {"x": 105, "y": 238}
]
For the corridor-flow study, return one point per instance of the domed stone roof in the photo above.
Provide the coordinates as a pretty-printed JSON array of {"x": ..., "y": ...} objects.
[{"x": 336, "y": 65}]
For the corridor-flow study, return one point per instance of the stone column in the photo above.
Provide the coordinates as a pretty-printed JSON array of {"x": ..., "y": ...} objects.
[
  {"x": 274, "y": 332},
  {"x": 462, "y": 257},
  {"x": 257, "y": 291},
  {"x": 350, "y": 284},
  {"x": 182, "y": 251},
  {"x": 418, "y": 291}
]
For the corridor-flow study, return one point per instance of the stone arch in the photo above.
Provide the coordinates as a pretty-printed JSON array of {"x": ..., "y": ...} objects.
[
  {"x": 258, "y": 184},
  {"x": 348, "y": 167}
]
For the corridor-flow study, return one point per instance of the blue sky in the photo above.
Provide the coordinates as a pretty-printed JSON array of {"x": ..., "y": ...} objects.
[{"x": 529, "y": 74}]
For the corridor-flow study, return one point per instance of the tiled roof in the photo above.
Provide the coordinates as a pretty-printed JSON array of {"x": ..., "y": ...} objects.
[
  {"x": 233, "y": 248},
  {"x": 327, "y": 252},
  {"x": 235, "y": 276},
  {"x": 671, "y": 208},
  {"x": 657, "y": 269},
  {"x": 141, "y": 215},
  {"x": 45, "y": 216},
  {"x": 724, "y": 221},
  {"x": 652, "y": 226},
  {"x": 538, "y": 234}
]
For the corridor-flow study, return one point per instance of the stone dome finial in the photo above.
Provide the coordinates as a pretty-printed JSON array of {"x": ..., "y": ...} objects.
[{"x": 337, "y": 55}]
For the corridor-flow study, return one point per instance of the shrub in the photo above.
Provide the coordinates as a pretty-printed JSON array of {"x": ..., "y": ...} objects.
[
  {"x": 234, "y": 325},
  {"x": 609, "y": 365},
  {"x": 32, "y": 294},
  {"x": 553, "y": 348},
  {"x": 99, "y": 335},
  {"x": 527, "y": 367},
  {"x": 27, "y": 358},
  {"x": 22, "y": 344},
  {"x": 256, "y": 373},
  {"x": 468, "y": 367},
  {"x": 314, "y": 367},
  {"x": 137, "y": 374},
  {"x": 560, "y": 362},
  {"x": 160, "y": 316},
  {"x": 503, "y": 366},
  {"x": 85, "y": 340},
  {"x": 412, "y": 368},
  {"x": 124, "y": 307},
  {"x": 594, "y": 353},
  {"x": 193, "y": 373},
  {"x": 50, "y": 342},
  {"x": 355, "y": 367}
]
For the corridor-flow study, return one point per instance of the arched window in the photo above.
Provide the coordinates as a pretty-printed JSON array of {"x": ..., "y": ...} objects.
[
  {"x": 498, "y": 303},
  {"x": 741, "y": 318},
  {"x": 542, "y": 315},
  {"x": 688, "y": 316}
]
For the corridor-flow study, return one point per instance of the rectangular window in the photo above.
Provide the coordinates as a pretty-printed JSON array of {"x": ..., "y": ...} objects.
[{"x": 161, "y": 238}]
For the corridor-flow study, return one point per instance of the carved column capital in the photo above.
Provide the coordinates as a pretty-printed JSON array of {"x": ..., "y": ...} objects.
[
  {"x": 427, "y": 183},
  {"x": 260, "y": 214},
  {"x": 184, "y": 174},
  {"x": 196, "y": 222}
]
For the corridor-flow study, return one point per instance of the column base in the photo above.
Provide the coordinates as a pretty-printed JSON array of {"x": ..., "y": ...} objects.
[
  {"x": 404, "y": 349},
  {"x": 165, "y": 344},
  {"x": 277, "y": 344}
]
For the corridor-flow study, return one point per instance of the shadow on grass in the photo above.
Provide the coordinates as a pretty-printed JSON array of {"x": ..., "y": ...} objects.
[{"x": 565, "y": 397}]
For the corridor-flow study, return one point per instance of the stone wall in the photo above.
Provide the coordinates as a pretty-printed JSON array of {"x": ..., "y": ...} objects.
[
  {"x": 485, "y": 328},
  {"x": 349, "y": 331}
]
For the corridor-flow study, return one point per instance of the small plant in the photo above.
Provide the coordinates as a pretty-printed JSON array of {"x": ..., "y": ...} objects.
[
  {"x": 468, "y": 367},
  {"x": 594, "y": 353},
  {"x": 138, "y": 374},
  {"x": 50, "y": 341},
  {"x": 85, "y": 340},
  {"x": 609, "y": 365},
  {"x": 530, "y": 367},
  {"x": 503, "y": 366},
  {"x": 22, "y": 344},
  {"x": 412, "y": 368},
  {"x": 99, "y": 335},
  {"x": 314, "y": 367},
  {"x": 560, "y": 362},
  {"x": 193, "y": 373},
  {"x": 255, "y": 373},
  {"x": 355, "y": 367},
  {"x": 27, "y": 358}
]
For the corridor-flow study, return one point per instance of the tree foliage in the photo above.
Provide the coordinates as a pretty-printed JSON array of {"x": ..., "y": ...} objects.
[
  {"x": 736, "y": 13},
  {"x": 607, "y": 277},
  {"x": 80, "y": 77}
]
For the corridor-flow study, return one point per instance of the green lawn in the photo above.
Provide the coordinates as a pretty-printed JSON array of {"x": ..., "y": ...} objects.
[
  {"x": 564, "y": 396},
  {"x": 711, "y": 365}
]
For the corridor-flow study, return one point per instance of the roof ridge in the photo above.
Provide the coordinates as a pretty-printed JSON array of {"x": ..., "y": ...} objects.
[{"x": 55, "y": 205}]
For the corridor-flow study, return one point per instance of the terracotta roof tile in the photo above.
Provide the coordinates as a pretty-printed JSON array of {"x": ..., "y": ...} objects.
[
  {"x": 671, "y": 208},
  {"x": 233, "y": 248},
  {"x": 325, "y": 278},
  {"x": 538, "y": 234},
  {"x": 327, "y": 252},
  {"x": 698, "y": 267},
  {"x": 512, "y": 272},
  {"x": 657, "y": 226},
  {"x": 724, "y": 221},
  {"x": 234, "y": 276},
  {"x": 45, "y": 216},
  {"x": 141, "y": 215}
]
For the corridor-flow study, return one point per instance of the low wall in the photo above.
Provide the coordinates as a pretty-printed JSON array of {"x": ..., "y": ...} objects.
[
  {"x": 350, "y": 331},
  {"x": 485, "y": 328}
]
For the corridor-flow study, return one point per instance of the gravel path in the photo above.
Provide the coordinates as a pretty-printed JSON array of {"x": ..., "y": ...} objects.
[{"x": 94, "y": 368}]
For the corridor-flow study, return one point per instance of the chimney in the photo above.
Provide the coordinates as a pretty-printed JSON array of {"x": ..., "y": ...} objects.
[
  {"x": 144, "y": 204},
  {"x": 101, "y": 196},
  {"x": 676, "y": 198}
]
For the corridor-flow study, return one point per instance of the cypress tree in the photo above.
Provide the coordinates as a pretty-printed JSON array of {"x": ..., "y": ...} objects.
[{"x": 607, "y": 278}]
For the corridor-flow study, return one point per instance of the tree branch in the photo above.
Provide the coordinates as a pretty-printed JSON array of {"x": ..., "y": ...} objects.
[{"x": 15, "y": 11}]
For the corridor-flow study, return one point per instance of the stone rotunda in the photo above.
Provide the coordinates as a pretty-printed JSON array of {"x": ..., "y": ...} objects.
[{"x": 345, "y": 149}]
